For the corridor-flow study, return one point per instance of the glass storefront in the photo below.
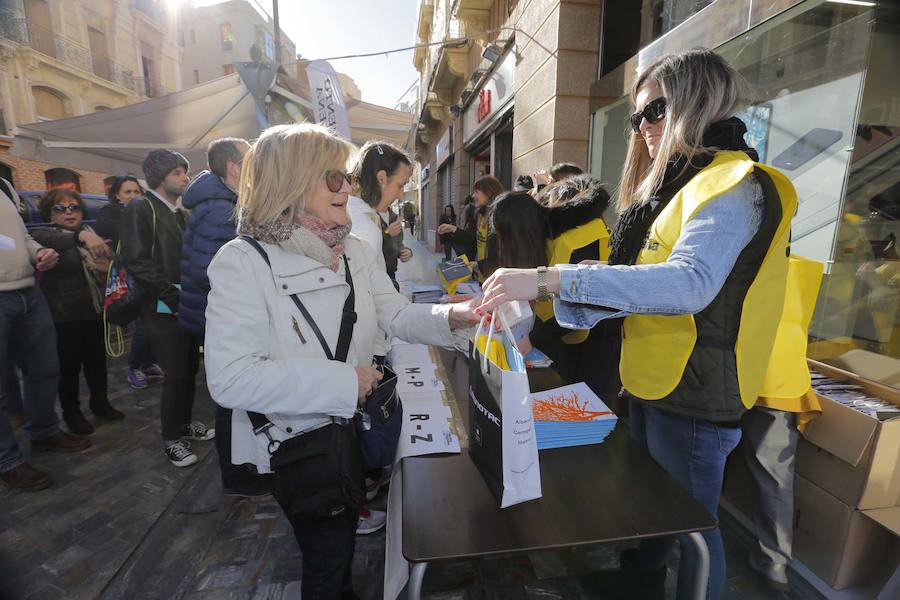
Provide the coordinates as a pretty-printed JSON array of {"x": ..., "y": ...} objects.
[{"x": 826, "y": 112}]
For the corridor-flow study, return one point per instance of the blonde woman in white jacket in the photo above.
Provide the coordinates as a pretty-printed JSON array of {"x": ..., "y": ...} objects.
[{"x": 261, "y": 353}]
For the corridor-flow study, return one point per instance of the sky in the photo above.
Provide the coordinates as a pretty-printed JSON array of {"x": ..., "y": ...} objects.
[{"x": 327, "y": 28}]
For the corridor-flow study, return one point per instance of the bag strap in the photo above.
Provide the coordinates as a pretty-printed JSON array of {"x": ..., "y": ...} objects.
[{"x": 260, "y": 422}]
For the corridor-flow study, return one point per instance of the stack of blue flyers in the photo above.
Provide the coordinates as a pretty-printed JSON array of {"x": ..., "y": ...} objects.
[{"x": 571, "y": 415}]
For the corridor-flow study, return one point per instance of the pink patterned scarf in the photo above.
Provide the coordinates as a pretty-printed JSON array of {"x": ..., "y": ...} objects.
[{"x": 333, "y": 238}]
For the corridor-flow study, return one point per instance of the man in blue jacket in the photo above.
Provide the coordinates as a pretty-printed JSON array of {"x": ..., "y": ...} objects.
[{"x": 211, "y": 198}]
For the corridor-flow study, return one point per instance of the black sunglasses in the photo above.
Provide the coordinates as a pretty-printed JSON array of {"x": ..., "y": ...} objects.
[
  {"x": 653, "y": 112},
  {"x": 334, "y": 179},
  {"x": 65, "y": 208}
]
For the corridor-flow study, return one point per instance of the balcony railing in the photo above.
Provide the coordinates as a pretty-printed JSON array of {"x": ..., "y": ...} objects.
[{"x": 63, "y": 49}]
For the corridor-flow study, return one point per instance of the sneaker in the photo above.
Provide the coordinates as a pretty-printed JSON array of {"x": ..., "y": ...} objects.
[
  {"x": 370, "y": 521},
  {"x": 137, "y": 379},
  {"x": 179, "y": 454},
  {"x": 774, "y": 574},
  {"x": 25, "y": 477},
  {"x": 198, "y": 431},
  {"x": 154, "y": 372},
  {"x": 375, "y": 484}
]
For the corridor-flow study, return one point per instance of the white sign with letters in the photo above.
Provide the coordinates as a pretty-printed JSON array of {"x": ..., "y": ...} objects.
[{"x": 420, "y": 377}]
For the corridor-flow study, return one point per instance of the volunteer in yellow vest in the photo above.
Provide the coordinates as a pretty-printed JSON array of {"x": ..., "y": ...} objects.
[
  {"x": 484, "y": 191},
  {"x": 786, "y": 403},
  {"x": 576, "y": 231},
  {"x": 697, "y": 269}
]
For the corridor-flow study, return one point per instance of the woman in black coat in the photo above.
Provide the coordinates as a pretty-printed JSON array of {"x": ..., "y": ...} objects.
[
  {"x": 141, "y": 364},
  {"x": 75, "y": 294},
  {"x": 448, "y": 216}
]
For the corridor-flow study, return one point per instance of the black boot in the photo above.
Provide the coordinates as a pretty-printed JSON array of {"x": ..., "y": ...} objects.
[
  {"x": 104, "y": 410},
  {"x": 78, "y": 425}
]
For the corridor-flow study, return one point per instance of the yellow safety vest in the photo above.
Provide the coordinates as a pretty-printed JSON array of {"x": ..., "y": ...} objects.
[
  {"x": 481, "y": 237},
  {"x": 559, "y": 252},
  {"x": 787, "y": 384},
  {"x": 656, "y": 348}
]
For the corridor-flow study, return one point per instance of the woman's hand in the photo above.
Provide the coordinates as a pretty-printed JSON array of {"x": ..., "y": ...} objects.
[
  {"x": 540, "y": 177},
  {"x": 462, "y": 314},
  {"x": 46, "y": 259},
  {"x": 395, "y": 228},
  {"x": 506, "y": 285},
  {"x": 101, "y": 265},
  {"x": 95, "y": 244},
  {"x": 445, "y": 228},
  {"x": 367, "y": 380},
  {"x": 405, "y": 254}
]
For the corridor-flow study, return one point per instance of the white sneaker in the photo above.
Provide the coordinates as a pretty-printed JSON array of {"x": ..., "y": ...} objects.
[
  {"x": 179, "y": 454},
  {"x": 775, "y": 574},
  {"x": 370, "y": 521},
  {"x": 198, "y": 431}
]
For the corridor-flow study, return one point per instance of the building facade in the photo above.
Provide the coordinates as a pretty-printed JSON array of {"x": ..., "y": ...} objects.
[
  {"x": 217, "y": 36},
  {"x": 506, "y": 93},
  {"x": 62, "y": 58}
]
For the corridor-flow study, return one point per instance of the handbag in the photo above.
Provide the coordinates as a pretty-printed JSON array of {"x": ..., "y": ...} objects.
[
  {"x": 379, "y": 422},
  {"x": 319, "y": 472},
  {"x": 502, "y": 441},
  {"x": 123, "y": 300}
]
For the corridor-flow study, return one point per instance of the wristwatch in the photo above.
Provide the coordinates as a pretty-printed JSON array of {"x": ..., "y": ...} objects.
[{"x": 543, "y": 292}]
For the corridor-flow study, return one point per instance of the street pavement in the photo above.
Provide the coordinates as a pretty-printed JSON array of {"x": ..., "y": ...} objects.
[{"x": 121, "y": 522}]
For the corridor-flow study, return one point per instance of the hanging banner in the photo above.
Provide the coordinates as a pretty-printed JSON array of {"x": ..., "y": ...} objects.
[{"x": 328, "y": 98}]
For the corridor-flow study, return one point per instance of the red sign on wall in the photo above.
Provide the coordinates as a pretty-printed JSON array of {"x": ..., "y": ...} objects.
[{"x": 484, "y": 104}]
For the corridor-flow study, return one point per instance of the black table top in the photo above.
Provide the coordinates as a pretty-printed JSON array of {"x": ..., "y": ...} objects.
[{"x": 591, "y": 494}]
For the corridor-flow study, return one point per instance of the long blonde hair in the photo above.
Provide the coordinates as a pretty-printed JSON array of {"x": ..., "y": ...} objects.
[
  {"x": 283, "y": 166},
  {"x": 700, "y": 88}
]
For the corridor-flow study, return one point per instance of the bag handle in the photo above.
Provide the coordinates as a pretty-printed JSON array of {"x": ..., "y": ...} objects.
[{"x": 504, "y": 327}]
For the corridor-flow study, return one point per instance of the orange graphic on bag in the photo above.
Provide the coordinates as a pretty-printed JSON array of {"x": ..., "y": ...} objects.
[{"x": 564, "y": 407}]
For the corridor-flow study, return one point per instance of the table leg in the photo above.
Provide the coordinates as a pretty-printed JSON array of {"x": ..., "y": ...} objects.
[
  {"x": 414, "y": 589},
  {"x": 701, "y": 576}
]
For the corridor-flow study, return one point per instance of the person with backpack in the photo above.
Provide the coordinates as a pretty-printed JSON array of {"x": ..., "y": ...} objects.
[
  {"x": 211, "y": 198},
  {"x": 152, "y": 235}
]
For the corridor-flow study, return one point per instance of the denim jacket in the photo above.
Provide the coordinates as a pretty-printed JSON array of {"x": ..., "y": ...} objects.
[{"x": 686, "y": 283}]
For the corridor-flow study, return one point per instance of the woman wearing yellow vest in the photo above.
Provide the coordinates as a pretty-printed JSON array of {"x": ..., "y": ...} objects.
[
  {"x": 484, "y": 191},
  {"x": 697, "y": 272},
  {"x": 577, "y": 232},
  {"x": 785, "y": 405}
]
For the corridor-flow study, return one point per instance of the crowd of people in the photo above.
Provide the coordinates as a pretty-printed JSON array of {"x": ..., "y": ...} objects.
[{"x": 281, "y": 261}]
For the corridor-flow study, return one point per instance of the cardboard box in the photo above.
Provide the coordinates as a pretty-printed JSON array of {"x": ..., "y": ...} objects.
[
  {"x": 849, "y": 454},
  {"x": 843, "y": 546}
]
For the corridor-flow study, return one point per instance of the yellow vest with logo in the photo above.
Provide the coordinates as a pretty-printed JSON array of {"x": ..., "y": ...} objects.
[
  {"x": 787, "y": 384},
  {"x": 656, "y": 348},
  {"x": 559, "y": 252}
]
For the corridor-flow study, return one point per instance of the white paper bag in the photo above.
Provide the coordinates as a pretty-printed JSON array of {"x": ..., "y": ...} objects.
[{"x": 502, "y": 440}]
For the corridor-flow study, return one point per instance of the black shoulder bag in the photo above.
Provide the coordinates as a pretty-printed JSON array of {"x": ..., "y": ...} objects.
[{"x": 319, "y": 473}]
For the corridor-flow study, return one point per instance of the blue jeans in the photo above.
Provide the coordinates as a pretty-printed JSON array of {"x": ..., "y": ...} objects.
[
  {"x": 140, "y": 356},
  {"x": 693, "y": 452},
  {"x": 10, "y": 388},
  {"x": 26, "y": 330}
]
